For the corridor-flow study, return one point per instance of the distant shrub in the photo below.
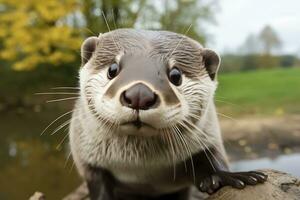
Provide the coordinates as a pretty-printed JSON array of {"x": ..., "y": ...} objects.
[{"x": 234, "y": 62}]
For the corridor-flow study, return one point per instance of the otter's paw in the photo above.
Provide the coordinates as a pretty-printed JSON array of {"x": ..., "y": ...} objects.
[{"x": 235, "y": 179}]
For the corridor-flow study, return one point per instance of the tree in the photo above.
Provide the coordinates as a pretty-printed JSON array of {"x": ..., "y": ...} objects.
[
  {"x": 270, "y": 40},
  {"x": 37, "y": 32},
  {"x": 167, "y": 15},
  {"x": 251, "y": 45},
  {"x": 117, "y": 14},
  {"x": 178, "y": 15}
]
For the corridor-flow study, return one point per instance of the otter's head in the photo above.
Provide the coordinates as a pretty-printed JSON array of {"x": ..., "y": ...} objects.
[{"x": 143, "y": 83}]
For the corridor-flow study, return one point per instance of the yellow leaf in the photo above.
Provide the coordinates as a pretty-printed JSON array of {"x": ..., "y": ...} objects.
[{"x": 35, "y": 32}]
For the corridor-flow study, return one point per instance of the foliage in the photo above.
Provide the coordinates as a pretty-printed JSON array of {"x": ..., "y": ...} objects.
[
  {"x": 265, "y": 42},
  {"x": 258, "y": 50},
  {"x": 289, "y": 60},
  {"x": 37, "y": 32},
  {"x": 117, "y": 14},
  {"x": 236, "y": 62},
  {"x": 17, "y": 88},
  {"x": 180, "y": 14},
  {"x": 269, "y": 39},
  {"x": 251, "y": 45},
  {"x": 175, "y": 16}
]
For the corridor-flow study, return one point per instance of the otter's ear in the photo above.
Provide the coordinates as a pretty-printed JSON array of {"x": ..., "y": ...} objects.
[
  {"x": 211, "y": 62},
  {"x": 87, "y": 49}
]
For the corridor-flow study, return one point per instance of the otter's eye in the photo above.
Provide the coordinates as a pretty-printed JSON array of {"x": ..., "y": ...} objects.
[
  {"x": 175, "y": 76},
  {"x": 113, "y": 71}
]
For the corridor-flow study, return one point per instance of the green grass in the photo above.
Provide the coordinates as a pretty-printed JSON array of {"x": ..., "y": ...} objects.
[{"x": 263, "y": 92}]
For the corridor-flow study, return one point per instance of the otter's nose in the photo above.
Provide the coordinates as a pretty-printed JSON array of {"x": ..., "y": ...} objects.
[{"x": 139, "y": 97}]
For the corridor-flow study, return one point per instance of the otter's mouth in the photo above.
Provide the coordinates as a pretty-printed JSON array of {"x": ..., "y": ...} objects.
[{"x": 137, "y": 123}]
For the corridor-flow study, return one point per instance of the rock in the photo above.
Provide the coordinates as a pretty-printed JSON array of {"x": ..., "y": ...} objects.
[
  {"x": 81, "y": 193},
  {"x": 37, "y": 196},
  {"x": 279, "y": 186}
]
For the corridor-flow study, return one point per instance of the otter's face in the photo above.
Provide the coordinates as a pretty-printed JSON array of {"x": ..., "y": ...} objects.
[{"x": 145, "y": 83}]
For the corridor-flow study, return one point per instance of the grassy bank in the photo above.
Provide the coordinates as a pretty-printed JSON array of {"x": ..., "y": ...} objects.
[{"x": 263, "y": 92}]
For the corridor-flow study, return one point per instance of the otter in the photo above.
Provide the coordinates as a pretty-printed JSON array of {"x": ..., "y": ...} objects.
[{"x": 145, "y": 125}]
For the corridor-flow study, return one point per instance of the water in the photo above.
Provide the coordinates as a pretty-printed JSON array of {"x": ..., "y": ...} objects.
[
  {"x": 30, "y": 162},
  {"x": 286, "y": 163}
]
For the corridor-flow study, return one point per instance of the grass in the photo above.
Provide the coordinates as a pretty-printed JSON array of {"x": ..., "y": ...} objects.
[{"x": 262, "y": 92}]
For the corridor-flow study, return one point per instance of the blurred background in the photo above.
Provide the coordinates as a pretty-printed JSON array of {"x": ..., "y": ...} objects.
[{"x": 258, "y": 97}]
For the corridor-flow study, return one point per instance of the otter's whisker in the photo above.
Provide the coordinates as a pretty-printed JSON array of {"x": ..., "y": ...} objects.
[
  {"x": 67, "y": 160},
  {"x": 173, "y": 152},
  {"x": 191, "y": 157},
  {"x": 72, "y": 166},
  {"x": 61, "y": 116},
  {"x": 229, "y": 103},
  {"x": 62, "y": 141},
  {"x": 52, "y": 93},
  {"x": 182, "y": 148},
  {"x": 226, "y": 116},
  {"x": 104, "y": 17},
  {"x": 181, "y": 40},
  {"x": 106, "y": 124},
  {"x": 67, "y": 88},
  {"x": 89, "y": 30},
  {"x": 201, "y": 143},
  {"x": 64, "y": 99},
  {"x": 218, "y": 113},
  {"x": 61, "y": 126},
  {"x": 114, "y": 20},
  {"x": 115, "y": 24},
  {"x": 189, "y": 152},
  {"x": 207, "y": 140}
]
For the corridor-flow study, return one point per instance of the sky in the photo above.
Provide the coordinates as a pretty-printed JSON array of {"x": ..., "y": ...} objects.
[{"x": 236, "y": 19}]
